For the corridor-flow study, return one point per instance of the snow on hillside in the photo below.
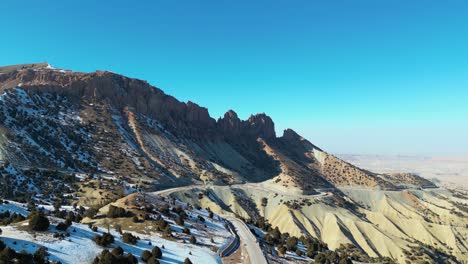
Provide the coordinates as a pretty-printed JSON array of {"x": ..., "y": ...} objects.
[{"x": 79, "y": 247}]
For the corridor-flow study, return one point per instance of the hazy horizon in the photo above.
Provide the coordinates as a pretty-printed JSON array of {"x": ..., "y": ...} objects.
[{"x": 351, "y": 77}]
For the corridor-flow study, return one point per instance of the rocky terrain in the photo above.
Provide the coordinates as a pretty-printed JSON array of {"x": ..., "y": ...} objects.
[
  {"x": 101, "y": 140},
  {"x": 108, "y": 123}
]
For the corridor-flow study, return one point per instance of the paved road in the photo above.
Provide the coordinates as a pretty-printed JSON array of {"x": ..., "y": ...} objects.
[
  {"x": 263, "y": 187},
  {"x": 247, "y": 239}
]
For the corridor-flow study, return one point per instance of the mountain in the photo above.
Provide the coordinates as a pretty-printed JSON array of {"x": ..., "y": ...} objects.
[
  {"x": 94, "y": 139},
  {"x": 106, "y": 122}
]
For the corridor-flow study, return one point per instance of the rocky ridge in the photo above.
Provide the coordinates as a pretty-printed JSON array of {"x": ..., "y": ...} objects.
[{"x": 174, "y": 141}]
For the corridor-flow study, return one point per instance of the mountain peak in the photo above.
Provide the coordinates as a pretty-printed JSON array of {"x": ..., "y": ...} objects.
[
  {"x": 231, "y": 114},
  {"x": 290, "y": 134},
  {"x": 262, "y": 125}
]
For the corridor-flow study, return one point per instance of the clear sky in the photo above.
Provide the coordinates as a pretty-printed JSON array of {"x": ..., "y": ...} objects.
[{"x": 375, "y": 76}]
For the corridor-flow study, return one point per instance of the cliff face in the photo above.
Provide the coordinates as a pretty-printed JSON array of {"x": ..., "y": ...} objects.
[
  {"x": 179, "y": 139},
  {"x": 123, "y": 92},
  {"x": 119, "y": 91}
]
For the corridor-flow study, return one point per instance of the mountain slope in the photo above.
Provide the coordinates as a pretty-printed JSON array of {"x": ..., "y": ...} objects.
[{"x": 107, "y": 123}]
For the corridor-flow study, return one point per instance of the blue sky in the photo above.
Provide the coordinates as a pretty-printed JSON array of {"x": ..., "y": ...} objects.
[{"x": 384, "y": 77}]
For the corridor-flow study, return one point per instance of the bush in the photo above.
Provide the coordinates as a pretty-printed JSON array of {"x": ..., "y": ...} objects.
[
  {"x": 179, "y": 221},
  {"x": 68, "y": 221},
  {"x": 131, "y": 259},
  {"x": 135, "y": 219},
  {"x": 282, "y": 250},
  {"x": 146, "y": 255},
  {"x": 118, "y": 251},
  {"x": 91, "y": 212},
  {"x": 168, "y": 231},
  {"x": 291, "y": 243},
  {"x": 193, "y": 240},
  {"x": 62, "y": 227},
  {"x": 38, "y": 221},
  {"x": 107, "y": 257},
  {"x": 153, "y": 260},
  {"x": 164, "y": 209},
  {"x": 186, "y": 230},
  {"x": 187, "y": 261},
  {"x": 40, "y": 255},
  {"x": 115, "y": 212},
  {"x": 129, "y": 238},
  {"x": 118, "y": 228},
  {"x": 7, "y": 218},
  {"x": 104, "y": 240},
  {"x": 161, "y": 223},
  {"x": 156, "y": 252},
  {"x": 8, "y": 255}
]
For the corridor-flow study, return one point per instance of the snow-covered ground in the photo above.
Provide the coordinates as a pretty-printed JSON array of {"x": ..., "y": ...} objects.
[{"x": 80, "y": 248}]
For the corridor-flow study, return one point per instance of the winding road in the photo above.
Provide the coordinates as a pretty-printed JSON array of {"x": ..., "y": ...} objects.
[{"x": 247, "y": 239}]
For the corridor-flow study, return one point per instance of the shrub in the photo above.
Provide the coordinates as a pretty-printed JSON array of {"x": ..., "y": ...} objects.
[
  {"x": 7, "y": 218},
  {"x": 68, "y": 221},
  {"x": 156, "y": 252},
  {"x": 91, "y": 212},
  {"x": 107, "y": 257},
  {"x": 129, "y": 238},
  {"x": 187, "y": 261},
  {"x": 131, "y": 259},
  {"x": 118, "y": 251},
  {"x": 291, "y": 243},
  {"x": 62, "y": 227},
  {"x": 115, "y": 212},
  {"x": 164, "y": 209},
  {"x": 168, "y": 231},
  {"x": 193, "y": 240},
  {"x": 161, "y": 223},
  {"x": 38, "y": 221},
  {"x": 153, "y": 260},
  {"x": 282, "y": 250},
  {"x": 345, "y": 261},
  {"x": 118, "y": 228},
  {"x": 186, "y": 230},
  {"x": 146, "y": 255},
  {"x": 40, "y": 255},
  {"x": 104, "y": 240},
  {"x": 179, "y": 221}
]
